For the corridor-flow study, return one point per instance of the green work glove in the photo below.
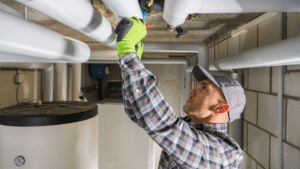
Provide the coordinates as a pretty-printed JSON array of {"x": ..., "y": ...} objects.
[{"x": 130, "y": 33}]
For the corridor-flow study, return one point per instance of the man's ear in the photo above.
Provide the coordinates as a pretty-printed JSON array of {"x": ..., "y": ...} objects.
[{"x": 222, "y": 109}]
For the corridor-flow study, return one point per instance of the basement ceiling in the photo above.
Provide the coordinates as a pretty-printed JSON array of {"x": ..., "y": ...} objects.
[{"x": 200, "y": 29}]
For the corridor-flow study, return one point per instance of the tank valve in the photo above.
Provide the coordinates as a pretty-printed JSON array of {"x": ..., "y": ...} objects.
[{"x": 180, "y": 32}]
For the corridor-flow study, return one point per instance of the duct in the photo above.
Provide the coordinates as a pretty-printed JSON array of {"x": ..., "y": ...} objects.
[
  {"x": 285, "y": 52},
  {"x": 79, "y": 15},
  {"x": 123, "y": 9},
  {"x": 175, "y": 18},
  {"x": 20, "y": 41},
  {"x": 10, "y": 10}
]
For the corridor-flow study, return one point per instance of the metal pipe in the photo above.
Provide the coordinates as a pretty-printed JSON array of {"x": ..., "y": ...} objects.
[
  {"x": 48, "y": 84},
  {"x": 11, "y": 10},
  {"x": 270, "y": 55},
  {"x": 76, "y": 81},
  {"x": 81, "y": 16},
  {"x": 280, "y": 116},
  {"x": 175, "y": 18},
  {"x": 123, "y": 9},
  {"x": 60, "y": 82},
  {"x": 20, "y": 41},
  {"x": 69, "y": 82}
]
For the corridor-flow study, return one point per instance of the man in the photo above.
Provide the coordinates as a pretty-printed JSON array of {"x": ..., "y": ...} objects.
[{"x": 196, "y": 141}]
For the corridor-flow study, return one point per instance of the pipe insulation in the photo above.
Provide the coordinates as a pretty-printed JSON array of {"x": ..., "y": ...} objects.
[
  {"x": 79, "y": 15},
  {"x": 123, "y": 9},
  {"x": 20, "y": 41},
  {"x": 60, "y": 81},
  {"x": 176, "y": 11},
  {"x": 284, "y": 52},
  {"x": 11, "y": 10}
]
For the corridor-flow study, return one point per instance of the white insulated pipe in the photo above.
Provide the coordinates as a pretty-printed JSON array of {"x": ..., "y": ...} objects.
[
  {"x": 11, "y": 10},
  {"x": 20, "y": 41},
  {"x": 123, "y": 9},
  {"x": 176, "y": 11},
  {"x": 48, "y": 84},
  {"x": 76, "y": 77},
  {"x": 60, "y": 82},
  {"x": 284, "y": 52},
  {"x": 179, "y": 47},
  {"x": 79, "y": 15}
]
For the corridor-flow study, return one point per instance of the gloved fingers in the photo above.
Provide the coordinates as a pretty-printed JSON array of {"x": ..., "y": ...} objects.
[
  {"x": 122, "y": 23},
  {"x": 136, "y": 47},
  {"x": 123, "y": 28},
  {"x": 137, "y": 19}
]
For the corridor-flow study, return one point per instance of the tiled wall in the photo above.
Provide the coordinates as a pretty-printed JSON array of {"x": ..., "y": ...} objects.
[{"x": 261, "y": 86}]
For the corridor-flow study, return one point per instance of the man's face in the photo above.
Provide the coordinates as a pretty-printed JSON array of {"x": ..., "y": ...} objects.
[{"x": 203, "y": 99}]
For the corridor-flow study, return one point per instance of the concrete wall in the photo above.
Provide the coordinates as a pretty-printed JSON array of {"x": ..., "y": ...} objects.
[{"x": 260, "y": 84}]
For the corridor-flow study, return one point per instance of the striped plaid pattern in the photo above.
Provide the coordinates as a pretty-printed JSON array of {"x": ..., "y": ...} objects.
[{"x": 184, "y": 144}]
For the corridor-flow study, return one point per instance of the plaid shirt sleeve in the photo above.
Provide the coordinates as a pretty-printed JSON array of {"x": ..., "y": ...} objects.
[{"x": 145, "y": 105}]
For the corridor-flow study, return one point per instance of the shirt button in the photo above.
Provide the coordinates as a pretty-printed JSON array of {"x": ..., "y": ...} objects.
[
  {"x": 125, "y": 66},
  {"x": 137, "y": 90}
]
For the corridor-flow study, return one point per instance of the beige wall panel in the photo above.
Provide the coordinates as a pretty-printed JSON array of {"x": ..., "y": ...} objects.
[
  {"x": 248, "y": 39},
  {"x": 269, "y": 32},
  {"x": 233, "y": 45},
  {"x": 293, "y": 122},
  {"x": 268, "y": 112},
  {"x": 293, "y": 25},
  {"x": 291, "y": 83},
  {"x": 259, "y": 79},
  {"x": 258, "y": 145},
  {"x": 248, "y": 162},
  {"x": 250, "y": 111},
  {"x": 223, "y": 48}
]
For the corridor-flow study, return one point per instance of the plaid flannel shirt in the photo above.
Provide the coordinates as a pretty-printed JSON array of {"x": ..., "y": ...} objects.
[{"x": 184, "y": 144}]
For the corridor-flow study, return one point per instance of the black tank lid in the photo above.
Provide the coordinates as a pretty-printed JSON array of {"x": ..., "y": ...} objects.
[{"x": 49, "y": 113}]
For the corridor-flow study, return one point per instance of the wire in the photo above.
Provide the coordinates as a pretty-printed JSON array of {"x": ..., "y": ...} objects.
[{"x": 17, "y": 95}]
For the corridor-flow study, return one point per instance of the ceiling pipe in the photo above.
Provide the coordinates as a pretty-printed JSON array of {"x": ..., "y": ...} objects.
[
  {"x": 284, "y": 52},
  {"x": 11, "y": 10},
  {"x": 79, "y": 15},
  {"x": 20, "y": 41},
  {"x": 123, "y": 9},
  {"x": 176, "y": 11}
]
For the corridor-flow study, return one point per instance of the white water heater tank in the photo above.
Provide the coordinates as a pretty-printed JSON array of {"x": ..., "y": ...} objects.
[{"x": 60, "y": 135}]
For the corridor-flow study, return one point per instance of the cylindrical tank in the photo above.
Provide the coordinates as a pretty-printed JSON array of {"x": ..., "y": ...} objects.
[{"x": 60, "y": 135}]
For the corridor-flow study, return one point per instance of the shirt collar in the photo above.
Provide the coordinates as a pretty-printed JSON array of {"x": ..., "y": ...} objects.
[{"x": 215, "y": 127}]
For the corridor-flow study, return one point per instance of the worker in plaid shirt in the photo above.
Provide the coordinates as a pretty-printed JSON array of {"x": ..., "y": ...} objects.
[{"x": 196, "y": 141}]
